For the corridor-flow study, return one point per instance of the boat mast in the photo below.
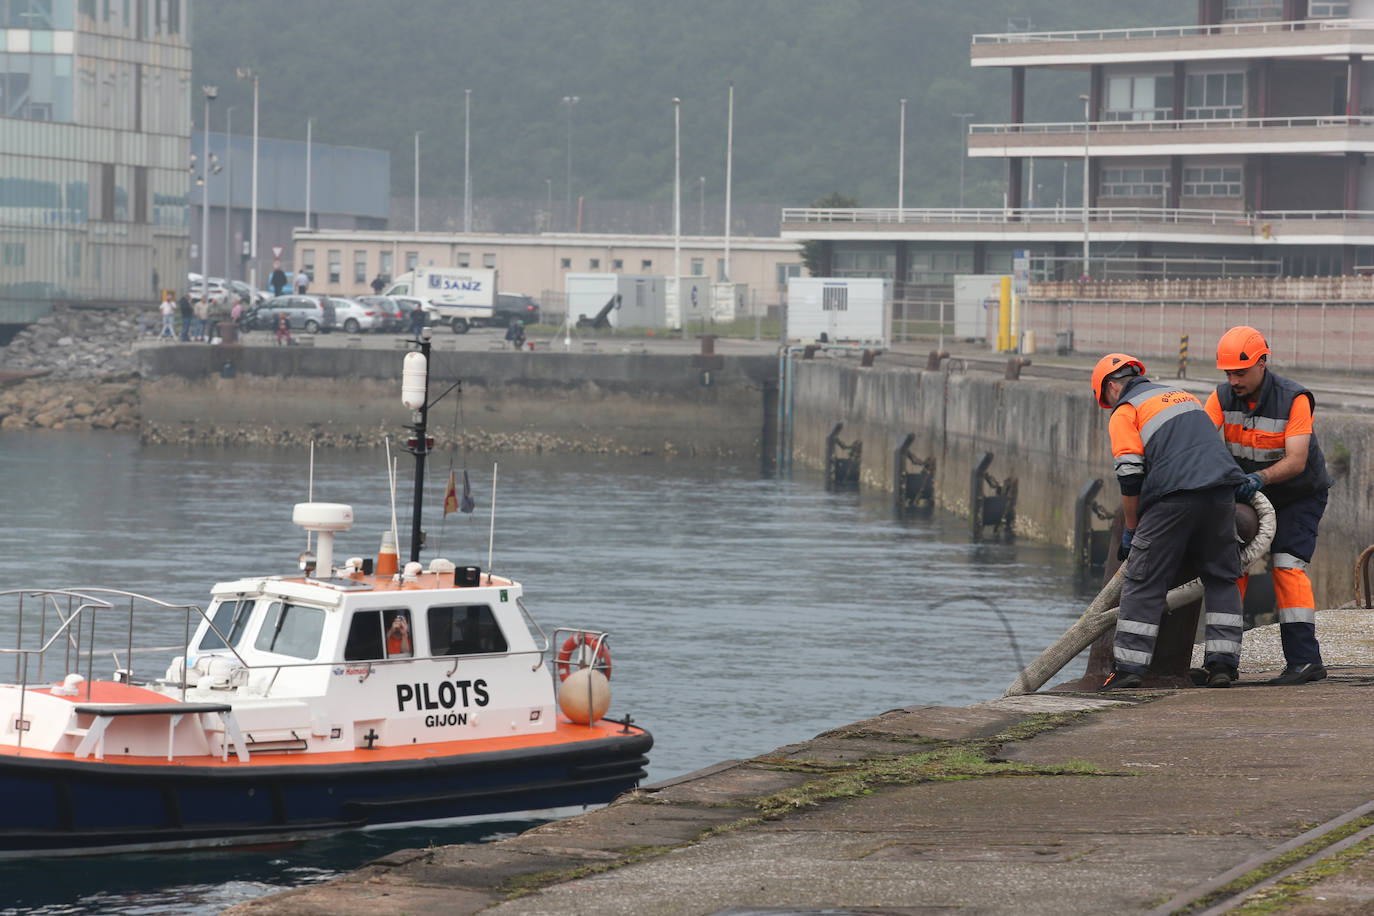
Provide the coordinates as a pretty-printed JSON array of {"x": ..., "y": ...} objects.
[{"x": 419, "y": 447}]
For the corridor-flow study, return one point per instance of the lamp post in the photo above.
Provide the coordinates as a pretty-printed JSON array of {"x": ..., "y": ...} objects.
[
  {"x": 548, "y": 205},
  {"x": 701, "y": 218},
  {"x": 228, "y": 186},
  {"x": 569, "y": 101},
  {"x": 1086, "y": 100},
  {"x": 210, "y": 93},
  {"x": 963, "y": 151},
  {"x": 244, "y": 73},
  {"x": 417, "y": 181},
  {"x": 677, "y": 215},
  {"x": 901, "y": 159},
  {"x": 467, "y": 173},
  {"x": 309, "y": 126}
]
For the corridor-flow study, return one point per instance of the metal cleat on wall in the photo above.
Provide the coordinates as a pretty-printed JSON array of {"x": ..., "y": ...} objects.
[
  {"x": 1090, "y": 545},
  {"x": 913, "y": 479},
  {"x": 842, "y": 462},
  {"x": 996, "y": 507}
]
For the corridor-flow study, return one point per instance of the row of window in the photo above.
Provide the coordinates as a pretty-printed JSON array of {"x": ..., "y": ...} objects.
[
  {"x": 296, "y": 630},
  {"x": 137, "y": 18},
  {"x": 1261, "y": 10},
  {"x": 1151, "y": 97},
  {"x": 1208, "y": 181}
]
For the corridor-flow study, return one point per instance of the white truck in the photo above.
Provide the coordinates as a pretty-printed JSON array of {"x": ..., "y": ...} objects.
[{"x": 456, "y": 296}]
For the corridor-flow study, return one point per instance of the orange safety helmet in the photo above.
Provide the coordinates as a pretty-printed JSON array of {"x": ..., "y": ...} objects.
[
  {"x": 1240, "y": 348},
  {"x": 1107, "y": 365}
]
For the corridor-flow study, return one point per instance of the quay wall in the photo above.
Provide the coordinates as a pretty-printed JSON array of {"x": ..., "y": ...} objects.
[
  {"x": 622, "y": 403},
  {"x": 1048, "y": 434}
]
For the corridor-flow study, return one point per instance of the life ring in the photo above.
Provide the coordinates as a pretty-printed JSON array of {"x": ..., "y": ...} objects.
[{"x": 575, "y": 642}]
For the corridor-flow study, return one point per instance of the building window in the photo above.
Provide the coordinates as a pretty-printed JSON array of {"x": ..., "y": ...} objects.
[
  {"x": 617, "y": 264},
  {"x": 489, "y": 260},
  {"x": 698, "y": 267},
  {"x": 464, "y": 259},
  {"x": 646, "y": 265},
  {"x": 594, "y": 264},
  {"x": 308, "y": 262},
  {"x": 866, "y": 262},
  {"x": 384, "y": 267},
  {"x": 140, "y": 194},
  {"x": 412, "y": 259},
  {"x": 934, "y": 267},
  {"x": 1212, "y": 181},
  {"x": 74, "y": 260},
  {"x": 1215, "y": 95},
  {"x": 565, "y": 263},
  {"x": 720, "y": 270},
  {"x": 360, "y": 267},
  {"x": 335, "y": 265},
  {"x": 786, "y": 271},
  {"x": 1328, "y": 9},
  {"x": 13, "y": 254},
  {"x": 1151, "y": 183},
  {"x": 1139, "y": 98},
  {"x": 1250, "y": 10}
]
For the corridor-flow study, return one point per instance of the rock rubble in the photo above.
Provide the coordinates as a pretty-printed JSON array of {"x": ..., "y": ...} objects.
[{"x": 79, "y": 344}]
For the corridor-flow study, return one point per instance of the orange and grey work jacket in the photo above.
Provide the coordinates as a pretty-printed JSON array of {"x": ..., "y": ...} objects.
[
  {"x": 1165, "y": 443},
  {"x": 1256, "y": 436}
]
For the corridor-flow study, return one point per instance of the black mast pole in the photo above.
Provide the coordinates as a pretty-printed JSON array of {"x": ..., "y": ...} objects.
[{"x": 419, "y": 451}]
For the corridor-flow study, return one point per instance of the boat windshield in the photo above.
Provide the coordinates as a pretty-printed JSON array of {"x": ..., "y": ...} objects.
[
  {"x": 291, "y": 629},
  {"x": 464, "y": 629},
  {"x": 230, "y": 618}
]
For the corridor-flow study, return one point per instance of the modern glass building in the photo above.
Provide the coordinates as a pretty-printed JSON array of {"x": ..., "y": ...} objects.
[{"x": 95, "y": 164}]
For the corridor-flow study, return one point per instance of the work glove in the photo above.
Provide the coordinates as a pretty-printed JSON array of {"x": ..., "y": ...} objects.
[
  {"x": 1125, "y": 548},
  {"x": 1248, "y": 487}
]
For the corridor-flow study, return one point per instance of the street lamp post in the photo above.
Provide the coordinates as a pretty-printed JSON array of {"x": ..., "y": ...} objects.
[
  {"x": 244, "y": 73},
  {"x": 309, "y": 173},
  {"x": 417, "y": 181},
  {"x": 963, "y": 151},
  {"x": 467, "y": 173},
  {"x": 569, "y": 101},
  {"x": 701, "y": 218},
  {"x": 677, "y": 215},
  {"x": 1086, "y": 169},
  {"x": 210, "y": 92},
  {"x": 228, "y": 186},
  {"x": 901, "y": 159}
]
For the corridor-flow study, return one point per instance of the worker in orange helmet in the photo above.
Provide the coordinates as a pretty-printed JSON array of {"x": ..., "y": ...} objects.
[
  {"x": 1178, "y": 487},
  {"x": 1266, "y": 421}
]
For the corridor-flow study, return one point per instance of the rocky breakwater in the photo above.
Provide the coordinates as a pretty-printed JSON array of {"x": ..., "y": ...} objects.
[{"x": 72, "y": 370}]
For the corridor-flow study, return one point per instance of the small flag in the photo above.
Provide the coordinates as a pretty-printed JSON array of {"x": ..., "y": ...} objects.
[
  {"x": 468, "y": 502},
  {"x": 450, "y": 494}
]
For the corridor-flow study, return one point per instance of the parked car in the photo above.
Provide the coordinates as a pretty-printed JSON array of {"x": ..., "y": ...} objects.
[
  {"x": 217, "y": 291},
  {"x": 406, "y": 305},
  {"x": 392, "y": 318},
  {"x": 354, "y": 316},
  {"x": 311, "y": 314},
  {"x": 514, "y": 305},
  {"x": 246, "y": 294}
]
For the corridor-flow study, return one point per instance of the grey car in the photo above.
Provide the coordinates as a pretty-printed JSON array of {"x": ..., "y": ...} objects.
[{"x": 311, "y": 314}]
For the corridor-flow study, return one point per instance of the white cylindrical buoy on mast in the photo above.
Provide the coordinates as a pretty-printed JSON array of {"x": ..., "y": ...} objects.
[{"x": 413, "y": 372}]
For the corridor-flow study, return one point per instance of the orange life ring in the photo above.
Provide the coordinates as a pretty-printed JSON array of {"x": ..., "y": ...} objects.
[{"x": 576, "y": 641}]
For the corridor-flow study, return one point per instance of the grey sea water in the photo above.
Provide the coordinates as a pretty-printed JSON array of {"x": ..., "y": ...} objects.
[{"x": 745, "y": 613}]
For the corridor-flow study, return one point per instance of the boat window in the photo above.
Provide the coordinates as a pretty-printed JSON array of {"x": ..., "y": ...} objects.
[
  {"x": 464, "y": 629},
  {"x": 291, "y": 629},
  {"x": 230, "y": 617},
  {"x": 378, "y": 634}
]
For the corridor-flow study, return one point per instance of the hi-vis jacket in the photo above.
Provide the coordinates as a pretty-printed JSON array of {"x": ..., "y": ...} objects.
[
  {"x": 1164, "y": 443},
  {"x": 1256, "y": 436}
]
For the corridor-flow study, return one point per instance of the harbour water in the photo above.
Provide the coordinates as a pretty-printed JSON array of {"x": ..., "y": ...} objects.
[{"x": 745, "y": 613}]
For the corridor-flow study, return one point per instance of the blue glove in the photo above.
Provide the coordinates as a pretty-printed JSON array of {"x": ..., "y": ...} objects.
[
  {"x": 1248, "y": 487},
  {"x": 1126, "y": 535}
]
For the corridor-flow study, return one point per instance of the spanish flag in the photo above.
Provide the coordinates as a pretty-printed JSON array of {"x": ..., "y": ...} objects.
[{"x": 451, "y": 494}]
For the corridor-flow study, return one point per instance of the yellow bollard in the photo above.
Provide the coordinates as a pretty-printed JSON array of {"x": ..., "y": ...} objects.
[
  {"x": 1183, "y": 356},
  {"x": 1004, "y": 317}
]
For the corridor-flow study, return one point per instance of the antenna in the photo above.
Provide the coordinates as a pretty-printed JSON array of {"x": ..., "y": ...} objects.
[
  {"x": 310, "y": 490},
  {"x": 491, "y": 536},
  {"x": 391, "y": 481}
]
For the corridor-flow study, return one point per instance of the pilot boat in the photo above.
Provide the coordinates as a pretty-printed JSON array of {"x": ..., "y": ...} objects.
[{"x": 348, "y": 696}]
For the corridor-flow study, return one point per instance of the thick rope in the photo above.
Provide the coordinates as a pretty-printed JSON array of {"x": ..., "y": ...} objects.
[{"x": 1101, "y": 614}]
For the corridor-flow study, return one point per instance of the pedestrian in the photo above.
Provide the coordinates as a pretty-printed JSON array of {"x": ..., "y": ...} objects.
[
  {"x": 168, "y": 310},
  {"x": 1266, "y": 421},
  {"x": 378, "y": 284},
  {"x": 1178, "y": 484},
  {"x": 515, "y": 333},
  {"x": 187, "y": 314},
  {"x": 283, "y": 329},
  {"x": 302, "y": 282},
  {"x": 202, "y": 312},
  {"x": 236, "y": 313},
  {"x": 278, "y": 280},
  {"x": 417, "y": 321}
]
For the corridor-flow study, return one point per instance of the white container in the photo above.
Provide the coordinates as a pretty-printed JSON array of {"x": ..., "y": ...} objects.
[{"x": 848, "y": 310}]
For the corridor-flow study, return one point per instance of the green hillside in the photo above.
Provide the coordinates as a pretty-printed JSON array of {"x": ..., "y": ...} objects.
[{"x": 817, "y": 84}]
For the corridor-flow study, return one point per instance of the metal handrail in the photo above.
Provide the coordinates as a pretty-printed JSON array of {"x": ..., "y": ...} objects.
[
  {"x": 1066, "y": 215},
  {"x": 1173, "y": 124},
  {"x": 1175, "y": 31}
]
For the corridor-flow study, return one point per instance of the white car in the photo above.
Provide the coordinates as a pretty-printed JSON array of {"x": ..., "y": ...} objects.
[
  {"x": 353, "y": 316},
  {"x": 218, "y": 292}
]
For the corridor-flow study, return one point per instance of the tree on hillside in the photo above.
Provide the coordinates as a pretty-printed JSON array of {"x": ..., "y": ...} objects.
[{"x": 811, "y": 250}]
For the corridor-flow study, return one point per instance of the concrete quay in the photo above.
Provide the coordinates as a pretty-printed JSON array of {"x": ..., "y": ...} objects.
[{"x": 1145, "y": 801}]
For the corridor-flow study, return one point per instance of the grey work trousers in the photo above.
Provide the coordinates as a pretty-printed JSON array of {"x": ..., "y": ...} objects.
[{"x": 1203, "y": 525}]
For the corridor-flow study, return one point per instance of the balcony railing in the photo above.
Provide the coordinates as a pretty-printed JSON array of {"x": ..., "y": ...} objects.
[
  {"x": 1117, "y": 127},
  {"x": 1067, "y": 216},
  {"x": 1177, "y": 31}
]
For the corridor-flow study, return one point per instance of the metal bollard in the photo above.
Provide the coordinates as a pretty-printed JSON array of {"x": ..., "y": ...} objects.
[{"x": 1183, "y": 356}]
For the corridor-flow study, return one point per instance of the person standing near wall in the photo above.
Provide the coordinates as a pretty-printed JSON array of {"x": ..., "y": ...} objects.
[
  {"x": 1178, "y": 486},
  {"x": 1266, "y": 421},
  {"x": 168, "y": 310}
]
